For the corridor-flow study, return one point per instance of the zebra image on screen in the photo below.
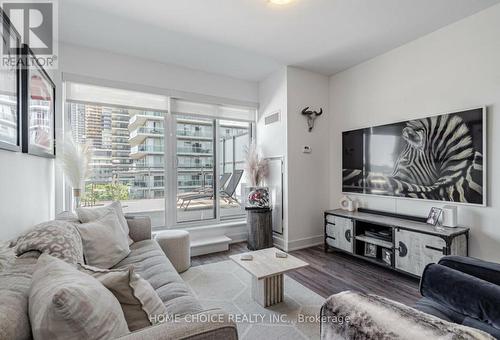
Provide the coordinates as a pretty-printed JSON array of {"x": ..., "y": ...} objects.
[{"x": 436, "y": 158}]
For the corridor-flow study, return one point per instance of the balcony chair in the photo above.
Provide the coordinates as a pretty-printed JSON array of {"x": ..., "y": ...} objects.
[
  {"x": 202, "y": 193},
  {"x": 227, "y": 194}
]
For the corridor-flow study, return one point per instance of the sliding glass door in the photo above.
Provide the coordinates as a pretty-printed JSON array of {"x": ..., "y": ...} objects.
[
  {"x": 195, "y": 170},
  {"x": 233, "y": 140}
]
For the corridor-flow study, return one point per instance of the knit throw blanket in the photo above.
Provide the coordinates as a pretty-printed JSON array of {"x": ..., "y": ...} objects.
[{"x": 350, "y": 315}]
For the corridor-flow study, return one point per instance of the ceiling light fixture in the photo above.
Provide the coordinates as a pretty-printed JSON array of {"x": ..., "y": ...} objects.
[{"x": 280, "y": 2}]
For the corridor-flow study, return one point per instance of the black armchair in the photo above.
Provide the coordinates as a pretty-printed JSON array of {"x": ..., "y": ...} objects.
[{"x": 463, "y": 290}]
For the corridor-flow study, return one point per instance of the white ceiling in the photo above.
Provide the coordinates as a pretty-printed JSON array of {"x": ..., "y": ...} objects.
[{"x": 248, "y": 39}]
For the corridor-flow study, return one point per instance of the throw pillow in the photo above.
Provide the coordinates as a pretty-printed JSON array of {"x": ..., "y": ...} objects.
[
  {"x": 91, "y": 214},
  {"x": 104, "y": 241},
  {"x": 137, "y": 297},
  {"x": 67, "y": 304},
  {"x": 57, "y": 238},
  {"x": 67, "y": 216}
]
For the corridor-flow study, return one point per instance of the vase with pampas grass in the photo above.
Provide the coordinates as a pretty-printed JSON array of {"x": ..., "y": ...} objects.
[
  {"x": 257, "y": 169},
  {"x": 74, "y": 160}
]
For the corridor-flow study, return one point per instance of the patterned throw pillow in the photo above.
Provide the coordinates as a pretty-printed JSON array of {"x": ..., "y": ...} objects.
[
  {"x": 60, "y": 239},
  {"x": 65, "y": 303},
  {"x": 137, "y": 297}
]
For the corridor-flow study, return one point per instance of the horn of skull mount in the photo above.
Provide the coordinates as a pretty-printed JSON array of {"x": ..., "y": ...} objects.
[{"x": 311, "y": 116}]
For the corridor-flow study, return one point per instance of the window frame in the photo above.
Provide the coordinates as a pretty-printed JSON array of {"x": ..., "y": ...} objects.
[{"x": 170, "y": 162}]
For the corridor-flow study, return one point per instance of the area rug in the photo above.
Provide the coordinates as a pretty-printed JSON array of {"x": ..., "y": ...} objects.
[{"x": 226, "y": 285}]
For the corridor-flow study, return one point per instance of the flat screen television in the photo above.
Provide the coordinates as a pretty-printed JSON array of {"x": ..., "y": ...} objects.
[{"x": 437, "y": 158}]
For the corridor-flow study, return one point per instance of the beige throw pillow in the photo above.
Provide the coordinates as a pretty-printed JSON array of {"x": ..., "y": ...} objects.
[
  {"x": 67, "y": 304},
  {"x": 86, "y": 215},
  {"x": 137, "y": 297},
  {"x": 104, "y": 241}
]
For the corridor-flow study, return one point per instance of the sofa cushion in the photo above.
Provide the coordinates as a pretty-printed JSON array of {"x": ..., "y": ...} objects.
[
  {"x": 57, "y": 238},
  {"x": 483, "y": 270},
  {"x": 430, "y": 307},
  {"x": 104, "y": 241},
  {"x": 137, "y": 297},
  {"x": 152, "y": 264},
  {"x": 67, "y": 304},
  {"x": 462, "y": 293},
  {"x": 67, "y": 216},
  {"x": 86, "y": 215},
  {"x": 15, "y": 281}
]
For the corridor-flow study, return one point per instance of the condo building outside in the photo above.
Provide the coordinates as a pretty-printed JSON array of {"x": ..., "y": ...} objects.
[
  {"x": 8, "y": 109},
  {"x": 8, "y": 119}
]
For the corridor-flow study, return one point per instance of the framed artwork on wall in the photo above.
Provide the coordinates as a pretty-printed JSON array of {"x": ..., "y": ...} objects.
[
  {"x": 437, "y": 158},
  {"x": 10, "y": 89},
  {"x": 38, "y": 108}
]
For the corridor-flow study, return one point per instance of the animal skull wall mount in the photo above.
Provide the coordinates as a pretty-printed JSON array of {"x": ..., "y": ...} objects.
[{"x": 311, "y": 116}]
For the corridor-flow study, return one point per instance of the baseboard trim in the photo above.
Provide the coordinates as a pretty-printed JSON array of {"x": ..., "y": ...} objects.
[{"x": 305, "y": 242}]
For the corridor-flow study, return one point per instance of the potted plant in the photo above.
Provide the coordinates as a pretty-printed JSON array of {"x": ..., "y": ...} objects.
[{"x": 257, "y": 169}]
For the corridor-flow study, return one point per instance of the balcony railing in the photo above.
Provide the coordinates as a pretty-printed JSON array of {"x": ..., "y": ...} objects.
[
  {"x": 191, "y": 133},
  {"x": 149, "y": 113},
  {"x": 194, "y": 165},
  {"x": 149, "y": 184},
  {"x": 146, "y": 148},
  {"x": 181, "y": 149},
  {"x": 8, "y": 116},
  {"x": 147, "y": 167},
  {"x": 150, "y": 130}
]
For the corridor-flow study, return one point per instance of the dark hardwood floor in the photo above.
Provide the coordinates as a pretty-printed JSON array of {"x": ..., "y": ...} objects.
[{"x": 333, "y": 272}]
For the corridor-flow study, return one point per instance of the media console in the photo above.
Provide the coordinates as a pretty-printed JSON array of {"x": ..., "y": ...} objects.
[{"x": 401, "y": 244}]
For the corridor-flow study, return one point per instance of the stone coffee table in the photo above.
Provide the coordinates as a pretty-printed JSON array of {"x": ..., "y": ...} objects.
[{"x": 267, "y": 274}]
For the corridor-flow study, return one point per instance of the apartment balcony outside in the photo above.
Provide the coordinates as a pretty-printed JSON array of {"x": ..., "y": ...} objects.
[
  {"x": 196, "y": 135},
  {"x": 193, "y": 151},
  {"x": 138, "y": 136},
  {"x": 7, "y": 117},
  {"x": 142, "y": 117},
  {"x": 140, "y": 151}
]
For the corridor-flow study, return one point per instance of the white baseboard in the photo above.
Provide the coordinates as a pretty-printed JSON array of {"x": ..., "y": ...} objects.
[{"x": 305, "y": 242}]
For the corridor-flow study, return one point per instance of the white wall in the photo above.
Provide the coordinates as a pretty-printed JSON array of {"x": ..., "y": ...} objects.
[
  {"x": 26, "y": 192},
  {"x": 308, "y": 176},
  {"x": 305, "y": 187},
  {"x": 456, "y": 67},
  {"x": 272, "y": 139},
  {"x": 272, "y": 98}
]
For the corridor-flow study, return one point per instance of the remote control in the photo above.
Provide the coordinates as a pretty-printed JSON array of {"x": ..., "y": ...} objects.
[
  {"x": 281, "y": 254},
  {"x": 246, "y": 257}
]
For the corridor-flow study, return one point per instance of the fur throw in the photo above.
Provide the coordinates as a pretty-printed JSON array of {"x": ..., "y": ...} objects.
[{"x": 350, "y": 315}]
